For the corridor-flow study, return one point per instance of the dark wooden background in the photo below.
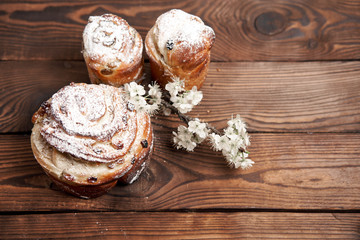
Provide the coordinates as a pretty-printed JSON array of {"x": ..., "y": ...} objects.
[{"x": 291, "y": 69}]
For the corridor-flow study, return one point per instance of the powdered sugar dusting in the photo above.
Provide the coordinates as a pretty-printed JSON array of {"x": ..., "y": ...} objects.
[
  {"x": 90, "y": 122},
  {"x": 88, "y": 110},
  {"x": 177, "y": 26},
  {"x": 110, "y": 39}
]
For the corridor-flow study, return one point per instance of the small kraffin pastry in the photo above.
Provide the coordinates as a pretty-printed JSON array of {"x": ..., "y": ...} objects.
[
  {"x": 87, "y": 137},
  {"x": 113, "y": 50},
  {"x": 178, "y": 46}
]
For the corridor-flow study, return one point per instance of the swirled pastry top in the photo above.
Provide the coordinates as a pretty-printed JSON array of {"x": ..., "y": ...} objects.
[
  {"x": 183, "y": 33},
  {"x": 90, "y": 122},
  {"x": 110, "y": 40}
]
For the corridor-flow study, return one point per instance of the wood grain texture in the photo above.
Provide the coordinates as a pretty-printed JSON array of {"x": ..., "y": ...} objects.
[
  {"x": 25, "y": 85},
  {"x": 248, "y": 30},
  {"x": 292, "y": 171},
  {"x": 169, "y": 225},
  {"x": 270, "y": 96}
]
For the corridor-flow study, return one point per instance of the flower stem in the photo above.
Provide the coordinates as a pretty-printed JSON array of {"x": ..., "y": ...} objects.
[{"x": 186, "y": 119}]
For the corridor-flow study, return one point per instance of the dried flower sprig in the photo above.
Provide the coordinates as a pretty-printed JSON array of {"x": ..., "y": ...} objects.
[
  {"x": 189, "y": 137},
  {"x": 136, "y": 96},
  {"x": 183, "y": 100},
  {"x": 232, "y": 143}
]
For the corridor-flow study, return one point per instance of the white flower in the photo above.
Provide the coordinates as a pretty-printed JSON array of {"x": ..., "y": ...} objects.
[
  {"x": 247, "y": 163},
  {"x": 198, "y": 128},
  {"x": 184, "y": 138},
  {"x": 239, "y": 160},
  {"x": 246, "y": 138},
  {"x": 175, "y": 87},
  {"x": 233, "y": 144},
  {"x": 182, "y": 104},
  {"x": 150, "y": 103},
  {"x": 155, "y": 92},
  {"x": 215, "y": 141},
  {"x": 175, "y": 99},
  {"x": 224, "y": 144},
  {"x": 233, "y": 160},
  {"x": 134, "y": 89},
  {"x": 139, "y": 103},
  {"x": 151, "y": 108},
  {"x": 237, "y": 125},
  {"x": 195, "y": 96},
  {"x": 236, "y": 131},
  {"x": 184, "y": 107},
  {"x": 183, "y": 100}
]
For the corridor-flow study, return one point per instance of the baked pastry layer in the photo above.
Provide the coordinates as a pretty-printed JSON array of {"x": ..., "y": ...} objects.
[
  {"x": 178, "y": 46},
  {"x": 86, "y": 138},
  {"x": 113, "y": 50}
]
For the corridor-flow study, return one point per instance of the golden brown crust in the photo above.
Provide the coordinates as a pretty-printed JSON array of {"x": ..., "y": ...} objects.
[
  {"x": 182, "y": 59},
  {"x": 163, "y": 73},
  {"x": 117, "y": 76},
  {"x": 80, "y": 176},
  {"x": 83, "y": 191},
  {"x": 113, "y": 51}
]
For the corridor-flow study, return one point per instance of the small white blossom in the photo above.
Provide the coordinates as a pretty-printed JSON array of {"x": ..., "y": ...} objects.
[
  {"x": 198, "y": 128},
  {"x": 182, "y": 104},
  {"x": 154, "y": 98},
  {"x": 155, "y": 92},
  {"x": 236, "y": 126},
  {"x": 183, "y": 100},
  {"x": 247, "y": 163},
  {"x": 225, "y": 144},
  {"x": 195, "y": 96},
  {"x": 215, "y": 141},
  {"x": 233, "y": 144},
  {"x": 139, "y": 103},
  {"x": 151, "y": 108},
  {"x": 184, "y": 139},
  {"x": 239, "y": 160},
  {"x": 150, "y": 103},
  {"x": 134, "y": 89},
  {"x": 246, "y": 138},
  {"x": 175, "y": 87}
]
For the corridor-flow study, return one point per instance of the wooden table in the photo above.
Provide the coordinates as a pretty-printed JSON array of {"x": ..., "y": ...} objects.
[{"x": 291, "y": 69}]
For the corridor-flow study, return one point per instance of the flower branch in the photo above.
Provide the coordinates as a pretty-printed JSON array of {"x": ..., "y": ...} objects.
[
  {"x": 185, "y": 118},
  {"x": 232, "y": 143}
]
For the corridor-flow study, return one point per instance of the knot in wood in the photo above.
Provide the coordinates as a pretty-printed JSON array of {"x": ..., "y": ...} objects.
[{"x": 270, "y": 23}]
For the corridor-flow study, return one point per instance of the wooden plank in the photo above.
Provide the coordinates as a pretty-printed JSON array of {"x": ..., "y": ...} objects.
[
  {"x": 25, "y": 85},
  {"x": 248, "y": 30},
  {"x": 284, "y": 97},
  {"x": 270, "y": 96},
  {"x": 292, "y": 171},
  {"x": 192, "y": 225}
]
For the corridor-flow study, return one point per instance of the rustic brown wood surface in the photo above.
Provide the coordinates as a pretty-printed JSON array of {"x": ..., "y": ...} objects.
[
  {"x": 290, "y": 68},
  {"x": 270, "y": 96},
  {"x": 292, "y": 171},
  {"x": 278, "y": 30},
  {"x": 196, "y": 225}
]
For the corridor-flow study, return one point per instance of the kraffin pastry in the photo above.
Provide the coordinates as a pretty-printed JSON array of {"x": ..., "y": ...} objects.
[
  {"x": 178, "y": 46},
  {"x": 87, "y": 137},
  {"x": 113, "y": 50}
]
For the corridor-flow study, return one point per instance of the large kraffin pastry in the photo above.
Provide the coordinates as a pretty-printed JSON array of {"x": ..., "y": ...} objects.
[
  {"x": 87, "y": 137},
  {"x": 178, "y": 46},
  {"x": 113, "y": 50}
]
